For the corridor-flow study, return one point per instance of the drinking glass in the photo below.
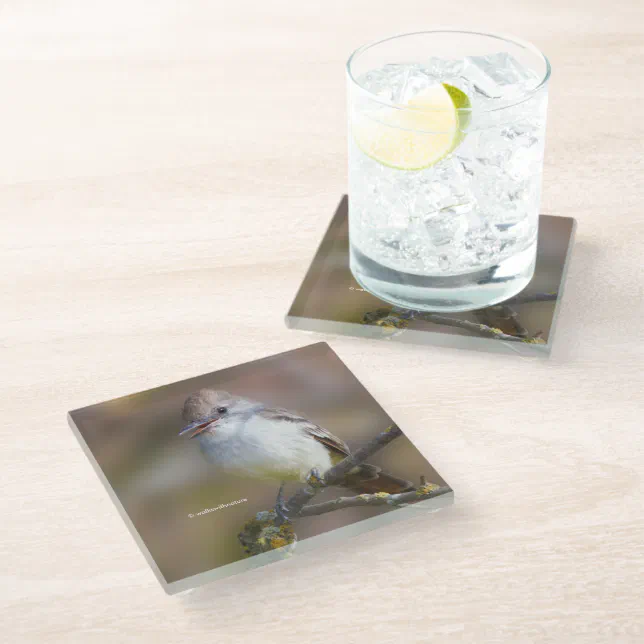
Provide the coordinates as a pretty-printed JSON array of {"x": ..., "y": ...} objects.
[{"x": 446, "y": 139}]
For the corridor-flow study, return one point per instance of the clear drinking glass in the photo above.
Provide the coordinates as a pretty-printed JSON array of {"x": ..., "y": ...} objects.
[{"x": 446, "y": 137}]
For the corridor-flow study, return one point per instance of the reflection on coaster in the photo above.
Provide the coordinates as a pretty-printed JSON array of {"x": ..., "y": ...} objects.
[
  {"x": 331, "y": 301},
  {"x": 251, "y": 464}
]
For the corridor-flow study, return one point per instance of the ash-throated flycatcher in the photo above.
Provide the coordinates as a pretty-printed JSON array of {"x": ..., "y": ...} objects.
[{"x": 246, "y": 438}]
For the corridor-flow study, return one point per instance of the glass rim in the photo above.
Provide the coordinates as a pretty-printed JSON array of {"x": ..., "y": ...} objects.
[{"x": 446, "y": 30}]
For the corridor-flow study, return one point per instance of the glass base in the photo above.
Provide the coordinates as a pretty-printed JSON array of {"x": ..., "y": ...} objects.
[{"x": 465, "y": 292}]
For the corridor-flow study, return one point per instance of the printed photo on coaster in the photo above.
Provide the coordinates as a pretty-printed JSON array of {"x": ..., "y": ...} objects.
[
  {"x": 251, "y": 464},
  {"x": 330, "y": 300}
]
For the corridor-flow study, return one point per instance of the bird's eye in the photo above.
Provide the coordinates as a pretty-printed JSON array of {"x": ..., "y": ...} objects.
[{"x": 221, "y": 410}]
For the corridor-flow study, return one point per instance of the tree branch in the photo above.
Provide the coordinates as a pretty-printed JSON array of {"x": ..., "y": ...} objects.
[
  {"x": 399, "y": 319},
  {"x": 532, "y": 297},
  {"x": 480, "y": 329},
  {"x": 508, "y": 313},
  {"x": 273, "y": 529},
  {"x": 426, "y": 491},
  {"x": 339, "y": 471},
  {"x": 315, "y": 482}
]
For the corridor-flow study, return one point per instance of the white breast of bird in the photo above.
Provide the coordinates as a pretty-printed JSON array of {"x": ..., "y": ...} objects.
[{"x": 264, "y": 448}]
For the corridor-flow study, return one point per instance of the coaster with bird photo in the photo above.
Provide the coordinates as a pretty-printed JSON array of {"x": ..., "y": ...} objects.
[
  {"x": 330, "y": 300},
  {"x": 251, "y": 464}
]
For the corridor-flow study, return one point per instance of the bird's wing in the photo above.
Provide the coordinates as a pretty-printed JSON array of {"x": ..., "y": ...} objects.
[{"x": 315, "y": 431}]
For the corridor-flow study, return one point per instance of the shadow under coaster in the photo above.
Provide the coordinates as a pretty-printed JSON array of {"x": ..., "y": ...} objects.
[{"x": 331, "y": 301}]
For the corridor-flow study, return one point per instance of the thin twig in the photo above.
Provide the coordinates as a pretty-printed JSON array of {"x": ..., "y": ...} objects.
[
  {"x": 379, "y": 498},
  {"x": 483, "y": 316},
  {"x": 508, "y": 313},
  {"x": 391, "y": 320},
  {"x": 305, "y": 494},
  {"x": 527, "y": 298},
  {"x": 480, "y": 329},
  {"x": 337, "y": 473}
]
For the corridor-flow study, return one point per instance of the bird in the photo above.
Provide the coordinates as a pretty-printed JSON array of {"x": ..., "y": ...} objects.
[{"x": 247, "y": 438}]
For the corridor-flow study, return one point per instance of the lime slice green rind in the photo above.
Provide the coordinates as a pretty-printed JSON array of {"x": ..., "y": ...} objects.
[{"x": 417, "y": 138}]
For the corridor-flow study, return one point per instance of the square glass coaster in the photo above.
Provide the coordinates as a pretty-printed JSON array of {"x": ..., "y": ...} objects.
[
  {"x": 205, "y": 509},
  {"x": 331, "y": 301}
]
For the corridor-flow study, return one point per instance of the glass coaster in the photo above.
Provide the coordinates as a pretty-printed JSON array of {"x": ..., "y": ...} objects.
[
  {"x": 254, "y": 463},
  {"x": 331, "y": 301}
]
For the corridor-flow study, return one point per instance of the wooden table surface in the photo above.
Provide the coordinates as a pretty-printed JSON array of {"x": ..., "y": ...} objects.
[{"x": 167, "y": 171}]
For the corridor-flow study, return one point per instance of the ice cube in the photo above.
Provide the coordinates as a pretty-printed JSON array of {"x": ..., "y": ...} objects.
[
  {"x": 415, "y": 81},
  {"x": 444, "y": 262},
  {"x": 399, "y": 216},
  {"x": 451, "y": 184},
  {"x": 446, "y": 226},
  {"x": 389, "y": 240},
  {"x": 459, "y": 209},
  {"x": 443, "y": 68},
  {"x": 502, "y": 69},
  {"x": 524, "y": 162},
  {"x": 420, "y": 204},
  {"x": 498, "y": 75},
  {"x": 413, "y": 247},
  {"x": 385, "y": 82},
  {"x": 524, "y": 133},
  {"x": 467, "y": 165},
  {"x": 441, "y": 193}
]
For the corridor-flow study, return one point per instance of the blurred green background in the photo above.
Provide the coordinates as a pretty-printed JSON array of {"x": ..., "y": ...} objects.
[{"x": 161, "y": 479}]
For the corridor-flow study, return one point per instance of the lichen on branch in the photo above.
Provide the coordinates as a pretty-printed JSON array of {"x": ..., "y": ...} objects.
[
  {"x": 397, "y": 320},
  {"x": 422, "y": 493},
  {"x": 273, "y": 529},
  {"x": 263, "y": 534}
]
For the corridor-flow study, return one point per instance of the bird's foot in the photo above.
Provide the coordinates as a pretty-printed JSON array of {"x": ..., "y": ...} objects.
[
  {"x": 281, "y": 507},
  {"x": 315, "y": 479}
]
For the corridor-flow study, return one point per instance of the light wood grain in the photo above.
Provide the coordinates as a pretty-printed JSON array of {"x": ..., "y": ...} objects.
[{"x": 167, "y": 171}]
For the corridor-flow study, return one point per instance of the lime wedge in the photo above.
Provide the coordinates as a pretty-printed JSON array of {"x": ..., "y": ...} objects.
[{"x": 420, "y": 133}]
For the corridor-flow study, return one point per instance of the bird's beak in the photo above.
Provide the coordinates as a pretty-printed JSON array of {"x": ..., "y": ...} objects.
[{"x": 196, "y": 428}]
